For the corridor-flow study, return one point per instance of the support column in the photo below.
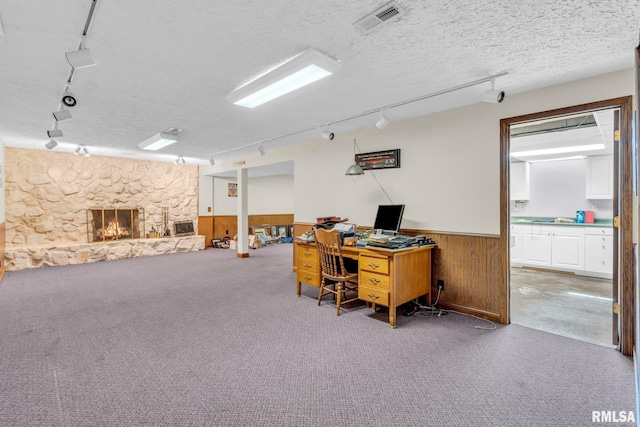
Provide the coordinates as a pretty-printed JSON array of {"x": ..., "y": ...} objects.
[{"x": 243, "y": 214}]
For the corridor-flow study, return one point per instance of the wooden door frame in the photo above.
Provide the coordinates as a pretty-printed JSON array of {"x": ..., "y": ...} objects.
[{"x": 626, "y": 256}]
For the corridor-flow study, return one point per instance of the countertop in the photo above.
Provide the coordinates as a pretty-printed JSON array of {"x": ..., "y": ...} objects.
[{"x": 598, "y": 222}]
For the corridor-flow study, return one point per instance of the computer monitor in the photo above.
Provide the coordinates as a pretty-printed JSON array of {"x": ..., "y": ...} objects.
[{"x": 388, "y": 219}]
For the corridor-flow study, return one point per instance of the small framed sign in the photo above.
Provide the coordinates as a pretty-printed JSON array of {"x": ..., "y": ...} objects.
[
  {"x": 233, "y": 190},
  {"x": 379, "y": 159}
]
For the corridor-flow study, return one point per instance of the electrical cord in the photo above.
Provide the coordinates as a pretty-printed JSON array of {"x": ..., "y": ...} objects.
[{"x": 441, "y": 311}]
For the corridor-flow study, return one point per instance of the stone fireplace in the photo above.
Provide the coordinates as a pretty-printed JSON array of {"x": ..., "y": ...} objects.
[
  {"x": 64, "y": 209},
  {"x": 108, "y": 224}
]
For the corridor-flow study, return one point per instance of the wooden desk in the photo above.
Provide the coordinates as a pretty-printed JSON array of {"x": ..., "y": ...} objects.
[{"x": 385, "y": 277}]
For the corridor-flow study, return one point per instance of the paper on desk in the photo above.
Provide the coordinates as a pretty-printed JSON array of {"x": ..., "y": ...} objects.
[{"x": 345, "y": 227}]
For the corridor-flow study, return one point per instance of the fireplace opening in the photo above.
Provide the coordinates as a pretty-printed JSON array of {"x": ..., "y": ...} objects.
[{"x": 107, "y": 224}]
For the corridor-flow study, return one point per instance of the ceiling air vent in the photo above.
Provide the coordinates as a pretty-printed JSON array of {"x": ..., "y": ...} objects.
[{"x": 390, "y": 12}]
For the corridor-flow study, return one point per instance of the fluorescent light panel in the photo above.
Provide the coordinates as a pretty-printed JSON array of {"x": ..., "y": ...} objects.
[
  {"x": 555, "y": 159},
  {"x": 306, "y": 68},
  {"x": 559, "y": 150},
  {"x": 158, "y": 141}
]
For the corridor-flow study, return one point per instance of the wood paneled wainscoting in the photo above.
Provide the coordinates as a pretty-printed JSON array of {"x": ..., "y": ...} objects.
[
  {"x": 469, "y": 264},
  {"x": 227, "y": 225}
]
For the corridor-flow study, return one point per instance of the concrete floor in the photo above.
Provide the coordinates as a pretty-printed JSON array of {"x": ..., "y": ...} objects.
[{"x": 574, "y": 306}]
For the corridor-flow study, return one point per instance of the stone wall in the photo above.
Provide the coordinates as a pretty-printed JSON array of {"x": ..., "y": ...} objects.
[{"x": 48, "y": 193}]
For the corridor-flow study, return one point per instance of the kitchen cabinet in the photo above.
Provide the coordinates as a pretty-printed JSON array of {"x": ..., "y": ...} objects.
[
  {"x": 536, "y": 245},
  {"x": 600, "y": 177},
  {"x": 598, "y": 248},
  {"x": 515, "y": 243},
  {"x": 519, "y": 181},
  {"x": 567, "y": 247}
]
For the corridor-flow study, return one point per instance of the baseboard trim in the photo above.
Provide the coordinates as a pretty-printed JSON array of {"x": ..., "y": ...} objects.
[{"x": 494, "y": 317}]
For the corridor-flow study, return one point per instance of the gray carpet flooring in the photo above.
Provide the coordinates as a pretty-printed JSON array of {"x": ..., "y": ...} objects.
[{"x": 208, "y": 339}]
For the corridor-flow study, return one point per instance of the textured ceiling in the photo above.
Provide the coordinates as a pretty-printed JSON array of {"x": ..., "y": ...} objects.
[{"x": 163, "y": 63}]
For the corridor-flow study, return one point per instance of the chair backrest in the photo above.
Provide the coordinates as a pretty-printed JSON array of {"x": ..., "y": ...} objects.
[{"x": 329, "y": 247}]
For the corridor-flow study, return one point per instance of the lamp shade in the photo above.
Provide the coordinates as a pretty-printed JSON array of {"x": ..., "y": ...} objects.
[{"x": 354, "y": 170}]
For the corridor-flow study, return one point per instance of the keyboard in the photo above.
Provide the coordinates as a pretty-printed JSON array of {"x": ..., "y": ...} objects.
[{"x": 395, "y": 242}]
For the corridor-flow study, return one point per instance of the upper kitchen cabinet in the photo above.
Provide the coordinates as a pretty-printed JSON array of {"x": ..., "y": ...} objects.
[
  {"x": 519, "y": 181},
  {"x": 600, "y": 177}
]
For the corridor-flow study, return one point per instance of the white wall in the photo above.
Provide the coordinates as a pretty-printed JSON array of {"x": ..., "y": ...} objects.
[
  {"x": 267, "y": 195},
  {"x": 450, "y": 174},
  {"x": 558, "y": 189},
  {"x": 205, "y": 195}
]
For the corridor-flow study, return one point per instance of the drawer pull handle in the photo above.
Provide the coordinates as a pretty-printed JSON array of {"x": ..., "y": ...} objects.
[
  {"x": 307, "y": 277},
  {"x": 307, "y": 253},
  {"x": 374, "y": 265},
  {"x": 604, "y": 247},
  {"x": 374, "y": 280},
  {"x": 307, "y": 265},
  {"x": 373, "y": 296}
]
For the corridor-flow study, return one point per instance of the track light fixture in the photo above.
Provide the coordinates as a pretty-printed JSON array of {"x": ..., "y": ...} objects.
[
  {"x": 81, "y": 149},
  {"x": 80, "y": 58},
  {"x": 180, "y": 160},
  {"x": 212, "y": 160},
  {"x": 69, "y": 99},
  {"x": 51, "y": 144},
  {"x": 62, "y": 115},
  {"x": 54, "y": 133},
  {"x": 261, "y": 149},
  {"x": 328, "y": 135},
  {"x": 494, "y": 96},
  {"x": 382, "y": 122}
]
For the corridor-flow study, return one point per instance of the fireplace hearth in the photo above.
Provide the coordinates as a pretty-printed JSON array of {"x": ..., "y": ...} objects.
[{"x": 109, "y": 224}]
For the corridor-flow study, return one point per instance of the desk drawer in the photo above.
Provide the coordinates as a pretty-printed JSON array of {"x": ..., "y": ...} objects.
[
  {"x": 378, "y": 265},
  {"x": 309, "y": 264},
  {"x": 309, "y": 277},
  {"x": 306, "y": 253},
  {"x": 378, "y": 281},
  {"x": 375, "y": 295}
]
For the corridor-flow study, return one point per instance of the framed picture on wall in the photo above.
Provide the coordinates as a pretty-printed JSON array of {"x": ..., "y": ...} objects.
[{"x": 233, "y": 190}]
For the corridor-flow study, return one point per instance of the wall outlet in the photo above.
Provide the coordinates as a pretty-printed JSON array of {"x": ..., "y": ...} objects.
[
  {"x": 594, "y": 208},
  {"x": 441, "y": 284}
]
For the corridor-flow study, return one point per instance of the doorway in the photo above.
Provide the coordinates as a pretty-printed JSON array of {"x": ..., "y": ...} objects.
[
  {"x": 561, "y": 219},
  {"x": 620, "y": 309}
]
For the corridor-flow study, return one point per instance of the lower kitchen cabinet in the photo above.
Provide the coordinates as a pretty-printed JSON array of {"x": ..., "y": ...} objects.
[
  {"x": 536, "y": 246},
  {"x": 583, "y": 250},
  {"x": 515, "y": 244},
  {"x": 598, "y": 248},
  {"x": 567, "y": 247}
]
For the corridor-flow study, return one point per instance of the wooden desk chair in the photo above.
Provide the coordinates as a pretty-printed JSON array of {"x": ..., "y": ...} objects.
[{"x": 336, "y": 279}]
